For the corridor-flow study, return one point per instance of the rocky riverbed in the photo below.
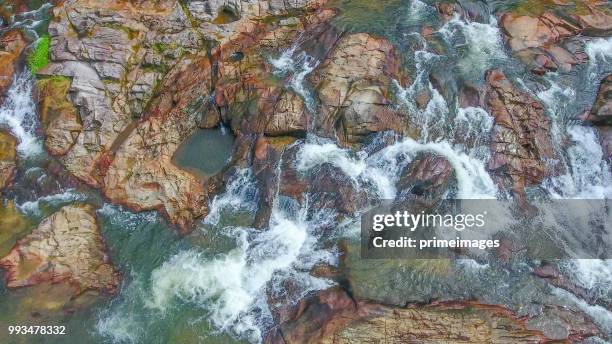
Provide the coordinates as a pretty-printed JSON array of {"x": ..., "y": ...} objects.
[{"x": 194, "y": 171}]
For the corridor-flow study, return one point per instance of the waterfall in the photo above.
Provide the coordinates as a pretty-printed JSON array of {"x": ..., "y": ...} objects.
[
  {"x": 18, "y": 115},
  {"x": 295, "y": 68},
  {"x": 240, "y": 194}
]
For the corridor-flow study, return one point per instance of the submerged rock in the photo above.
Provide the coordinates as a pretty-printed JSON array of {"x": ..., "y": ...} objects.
[
  {"x": 66, "y": 247},
  {"x": 8, "y": 155},
  {"x": 521, "y": 143}
]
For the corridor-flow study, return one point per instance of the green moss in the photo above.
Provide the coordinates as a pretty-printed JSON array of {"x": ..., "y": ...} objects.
[{"x": 39, "y": 55}]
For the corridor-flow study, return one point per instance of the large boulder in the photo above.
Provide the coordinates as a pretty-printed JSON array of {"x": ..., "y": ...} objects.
[
  {"x": 550, "y": 40},
  {"x": 521, "y": 144},
  {"x": 333, "y": 317},
  {"x": 66, "y": 247},
  {"x": 596, "y": 19},
  {"x": 354, "y": 85},
  {"x": 138, "y": 171},
  {"x": 8, "y": 155}
]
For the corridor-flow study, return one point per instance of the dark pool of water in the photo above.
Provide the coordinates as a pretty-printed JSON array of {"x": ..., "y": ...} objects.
[{"x": 206, "y": 152}]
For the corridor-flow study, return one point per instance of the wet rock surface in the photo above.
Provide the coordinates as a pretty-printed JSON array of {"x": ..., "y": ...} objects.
[
  {"x": 12, "y": 44},
  {"x": 548, "y": 42},
  {"x": 66, "y": 247},
  {"x": 601, "y": 115},
  {"x": 428, "y": 175},
  {"x": 8, "y": 155},
  {"x": 521, "y": 143}
]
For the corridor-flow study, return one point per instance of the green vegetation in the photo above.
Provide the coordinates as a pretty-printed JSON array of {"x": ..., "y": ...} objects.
[{"x": 39, "y": 55}]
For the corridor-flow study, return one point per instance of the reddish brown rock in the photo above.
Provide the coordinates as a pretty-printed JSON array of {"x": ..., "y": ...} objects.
[
  {"x": 531, "y": 32},
  {"x": 333, "y": 317},
  {"x": 249, "y": 99},
  {"x": 428, "y": 176},
  {"x": 137, "y": 79},
  {"x": 66, "y": 247},
  {"x": 8, "y": 155},
  {"x": 12, "y": 44},
  {"x": 140, "y": 172},
  {"x": 59, "y": 118},
  {"x": 601, "y": 115},
  {"x": 538, "y": 41},
  {"x": 521, "y": 143}
]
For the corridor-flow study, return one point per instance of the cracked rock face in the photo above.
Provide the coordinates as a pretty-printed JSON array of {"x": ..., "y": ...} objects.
[
  {"x": 354, "y": 84},
  {"x": 520, "y": 142},
  {"x": 128, "y": 82},
  {"x": 124, "y": 89},
  {"x": 340, "y": 319},
  {"x": 66, "y": 247}
]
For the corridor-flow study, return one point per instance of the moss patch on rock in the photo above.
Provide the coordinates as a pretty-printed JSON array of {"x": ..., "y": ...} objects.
[{"x": 39, "y": 55}]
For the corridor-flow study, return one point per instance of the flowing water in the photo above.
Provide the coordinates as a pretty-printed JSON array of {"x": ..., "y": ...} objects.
[{"x": 222, "y": 283}]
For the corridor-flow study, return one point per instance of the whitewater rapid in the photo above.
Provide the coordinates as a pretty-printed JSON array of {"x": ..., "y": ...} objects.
[{"x": 18, "y": 115}]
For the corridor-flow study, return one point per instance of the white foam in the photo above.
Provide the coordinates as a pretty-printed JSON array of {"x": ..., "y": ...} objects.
[
  {"x": 600, "y": 316},
  {"x": 18, "y": 115},
  {"x": 119, "y": 217},
  {"x": 232, "y": 287},
  {"x": 240, "y": 194},
  {"x": 382, "y": 169},
  {"x": 484, "y": 44},
  {"x": 419, "y": 12},
  {"x": 593, "y": 275},
  {"x": 473, "y": 181},
  {"x": 34, "y": 207},
  {"x": 556, "y": 98},
  {"x": 477, "y": 121},
  {"x": 298, "y": 67},
  {"x": 284, "y": 63},
  {"x": 599, "y": 50}
]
